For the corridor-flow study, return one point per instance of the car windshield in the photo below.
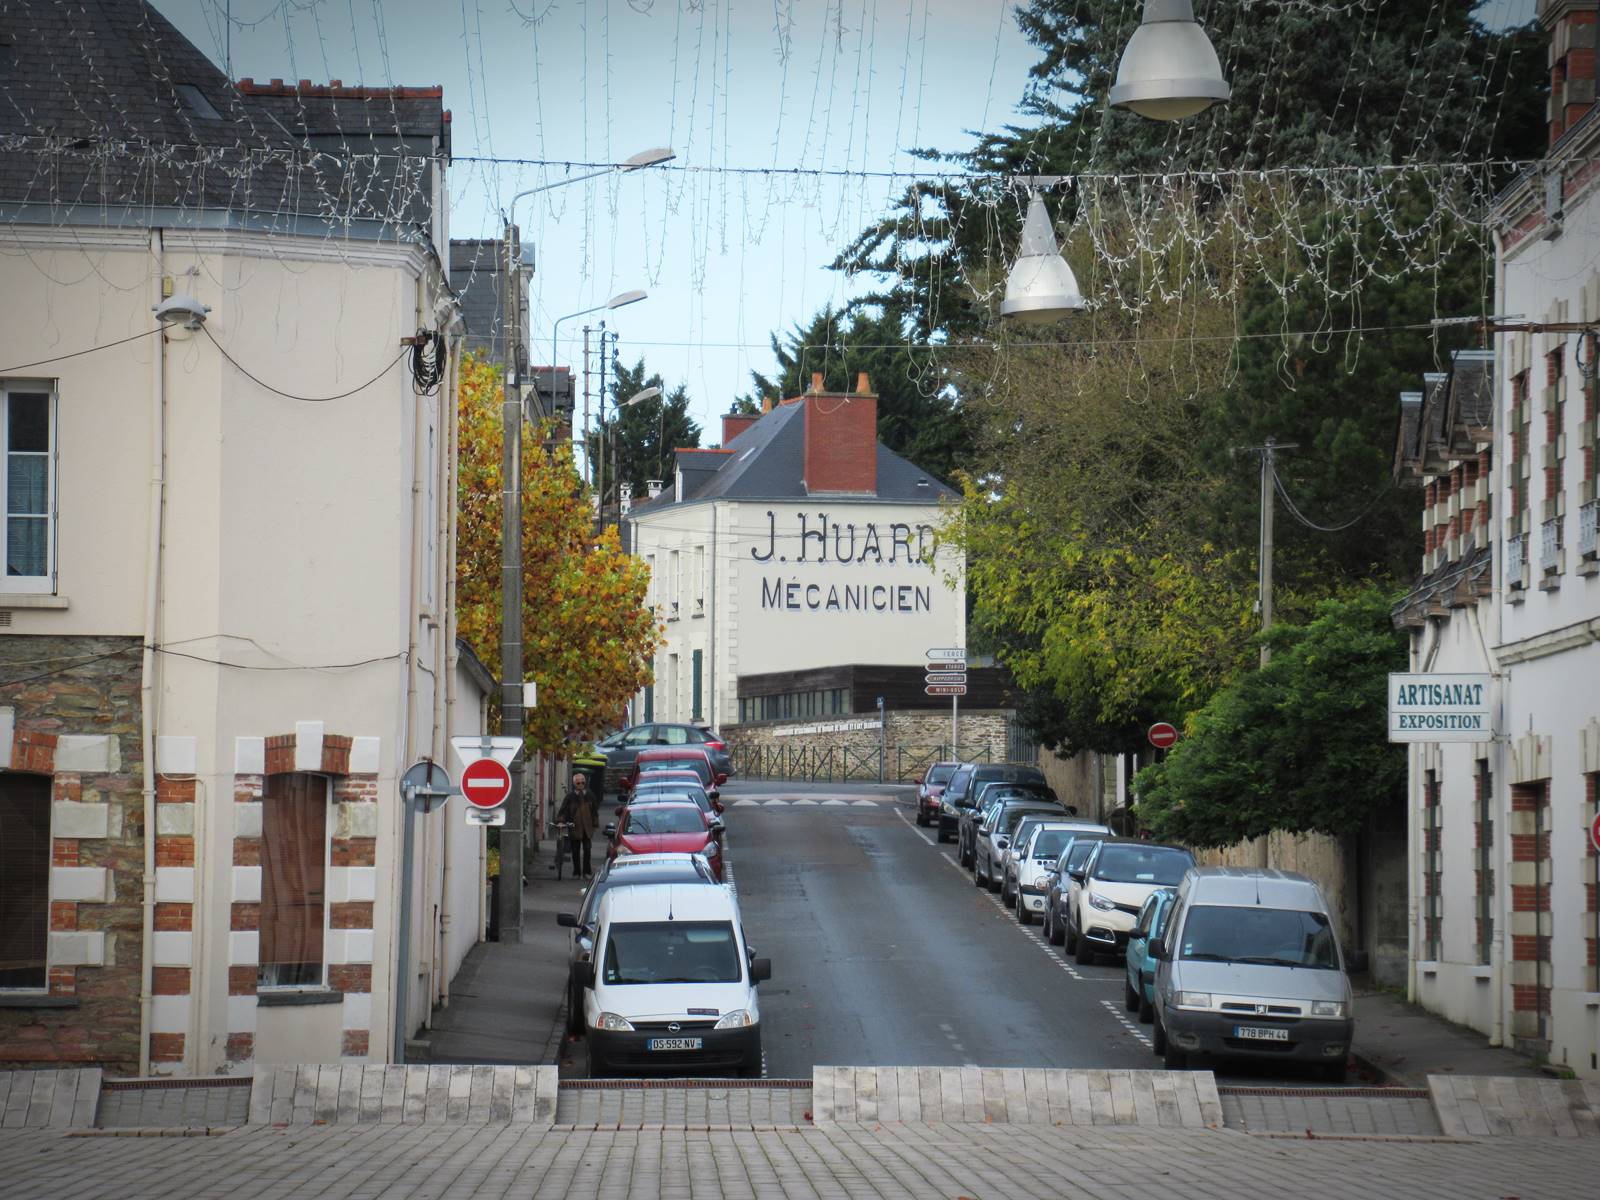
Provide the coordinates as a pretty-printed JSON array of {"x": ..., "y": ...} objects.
[
  {"x": 664, "y": 796},
  {"x": 672, "y": 952},
  {"x": 1276, "y": 937},
  {"x": 647, "y": 765},
  {"x": 664, "y": 818},
  {"x": 940, "y": 775},
  {"x": 1051, "y": 842},
  {"x": 1010, "y": 819},
  {"x": 1163, "y": 865},
  {"x": 1078, "y": 852}
]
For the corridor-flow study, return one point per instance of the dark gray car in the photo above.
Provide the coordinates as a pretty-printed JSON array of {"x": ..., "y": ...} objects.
[{"x": 622, "y": 750}]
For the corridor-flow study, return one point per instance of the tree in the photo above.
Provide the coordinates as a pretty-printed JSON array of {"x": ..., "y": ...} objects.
[
  {"x": 588, "y": 638},
  {"x": 639, "y": 440},
  {"x": 918, "y": 416},
  {"x": 1295, "y": 746}
]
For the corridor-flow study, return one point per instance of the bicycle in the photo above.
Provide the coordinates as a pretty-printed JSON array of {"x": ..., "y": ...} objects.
[{"x": 563, "y": 835}]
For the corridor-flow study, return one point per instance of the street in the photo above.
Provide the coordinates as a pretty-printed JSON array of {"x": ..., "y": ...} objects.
[{"x": 885, "y": 953}]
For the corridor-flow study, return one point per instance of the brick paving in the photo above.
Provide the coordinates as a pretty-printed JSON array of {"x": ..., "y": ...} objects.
[
  {"x": 1404, "y": 1116},
  {"x": 173, "y": 1107},
  {"x": 684, "y": 1106},
  {"x": 455, "y": 1163}
]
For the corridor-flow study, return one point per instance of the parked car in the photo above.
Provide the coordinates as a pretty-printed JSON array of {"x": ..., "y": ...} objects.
[
  {"x": 675, "y": 758},
  {"x": 653, "y": 780},
  {"x": 666, "y": 829},
  {"x": 674, "y": 793},
  {"x": 622, "y": 749},
  {"x": 1119, "y": 874},
  {"x": 635, "y": 868},
  {"x": 994, "y": 835},
  {"x": 1139, "y": 980},
  {"x": 672, "y": 986},
  {"x": 1250, "y": 967},
  {"x": 1060, "y": 879},
  {"x": 1016, "y": 844},
  {"x": 954, "y": 802},
  {"x": 1029, "y": 864},
  {"x": 930, "y": 789},
  {"x": 985, "y": 796}
]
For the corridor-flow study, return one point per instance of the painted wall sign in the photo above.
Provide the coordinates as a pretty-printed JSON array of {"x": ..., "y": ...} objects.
[
  {"x": 894, "y": 544},
  {"x": 1440, "y": 708}
]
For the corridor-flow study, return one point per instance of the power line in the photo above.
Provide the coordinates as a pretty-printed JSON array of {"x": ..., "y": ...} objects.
[
  {"x": 393, "y": 362},
  {"x": 1295, "y": 512},
  {"x": 79, "y": 353}
]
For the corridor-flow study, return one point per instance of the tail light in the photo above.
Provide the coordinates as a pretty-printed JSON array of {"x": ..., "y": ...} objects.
[{"x": 717, "y": 745}]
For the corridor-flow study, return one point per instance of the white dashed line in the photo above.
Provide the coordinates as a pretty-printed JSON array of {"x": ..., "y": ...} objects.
[
  {"x": 912, "y": 826},
  {"x": 1127, "y": 1023}
]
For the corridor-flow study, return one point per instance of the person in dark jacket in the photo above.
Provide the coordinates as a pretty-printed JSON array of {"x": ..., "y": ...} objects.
[{"x": 579, "y": 808}]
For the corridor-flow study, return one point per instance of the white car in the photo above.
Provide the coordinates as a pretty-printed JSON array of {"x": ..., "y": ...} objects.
[
  {"x": 1118, "y": 877},
  {"x": 1030, "y": 861}
]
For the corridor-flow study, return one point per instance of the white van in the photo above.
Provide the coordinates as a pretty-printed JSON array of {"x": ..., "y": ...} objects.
[{"x": 672, "y": 984}]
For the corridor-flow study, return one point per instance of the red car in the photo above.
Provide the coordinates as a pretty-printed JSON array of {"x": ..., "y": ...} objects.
[
  {"x": 666, "y": 829},
  {"x": 930, "y": 791},
  {"x": 676, "y": 758},
  {"x": 674, "y": 781}
]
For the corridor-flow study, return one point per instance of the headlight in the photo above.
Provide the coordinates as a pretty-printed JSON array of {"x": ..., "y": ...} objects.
[
  {"x": 1102, "y": 904},
  {"x": 1192, "y": 999},
  {"x": 1330, "y": 1008},
  {"x": 739, "y": 1018},
  {"x": 613, "y": 1023},
  {"x": 948, "y": 810}
]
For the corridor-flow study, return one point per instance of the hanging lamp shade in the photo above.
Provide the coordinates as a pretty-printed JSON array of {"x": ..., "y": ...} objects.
[
  {"x": 1041, "y": 287},
  {"x": 1169, "y": 70}
]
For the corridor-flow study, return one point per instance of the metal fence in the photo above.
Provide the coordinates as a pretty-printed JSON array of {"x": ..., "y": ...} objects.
[{"x": 813, "y": 763}]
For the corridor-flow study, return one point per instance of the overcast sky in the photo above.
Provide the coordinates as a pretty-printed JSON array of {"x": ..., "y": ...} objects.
[{"x": 833, "y": 85}]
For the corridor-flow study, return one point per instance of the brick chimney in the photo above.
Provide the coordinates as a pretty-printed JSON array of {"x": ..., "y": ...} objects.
[
  {"x": 841, "y": 440},
  {"x": 733, "y": 424},
  {"x": 1571, "y": 25}
]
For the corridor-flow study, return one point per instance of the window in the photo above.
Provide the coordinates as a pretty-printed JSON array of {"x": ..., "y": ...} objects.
[
  {"x": 1432, "y": 869},
  {"x": 294, "y": 864},
  {"x": 24, "y": 881},
  {"x": 1485, "y": 864},
  {"x": 649, "y": 702},
  {"x": 674, "y": 584},
  {"x": 699, "y": 579},
  {"x": 652, "y": 589},
  {"x": 195, "y": 103},
  {"x": 698, "y": 662},
  {"x": 27, "y": 480}
]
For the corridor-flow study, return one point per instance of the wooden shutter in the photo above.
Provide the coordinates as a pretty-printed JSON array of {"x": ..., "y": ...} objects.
[
  {"x": 24, "y": 879},
  {"x": 294, "y": 827}
]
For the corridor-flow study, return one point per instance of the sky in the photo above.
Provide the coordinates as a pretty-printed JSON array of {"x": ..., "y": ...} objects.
[{"x": 768, "y": 86}]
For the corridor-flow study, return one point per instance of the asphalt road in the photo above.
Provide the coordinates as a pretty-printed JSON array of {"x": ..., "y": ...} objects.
[{"x": 884, "y": 953}]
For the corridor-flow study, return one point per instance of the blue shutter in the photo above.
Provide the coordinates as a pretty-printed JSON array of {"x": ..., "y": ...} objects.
[{"x": 699, "y": 656}]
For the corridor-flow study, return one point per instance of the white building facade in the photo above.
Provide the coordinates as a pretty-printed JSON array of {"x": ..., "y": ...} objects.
[
  {"x": 1505, "y": 913},
  {"x": 800, "y": 544}
]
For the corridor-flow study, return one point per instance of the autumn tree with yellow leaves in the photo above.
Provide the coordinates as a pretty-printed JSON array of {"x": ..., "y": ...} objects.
[{"x": 588, "y": 638}]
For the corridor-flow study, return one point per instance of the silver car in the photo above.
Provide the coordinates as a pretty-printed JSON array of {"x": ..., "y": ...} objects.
[
  {"x": 1031, "y": 861},
  {"x": 1249, "y": 966}
]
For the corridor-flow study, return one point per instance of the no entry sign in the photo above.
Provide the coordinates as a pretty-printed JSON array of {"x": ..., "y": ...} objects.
[
  {"x": 1594, "y": 833},
  {"x": 486, "y": 783},
  {"x": 1162, "y": 736}
]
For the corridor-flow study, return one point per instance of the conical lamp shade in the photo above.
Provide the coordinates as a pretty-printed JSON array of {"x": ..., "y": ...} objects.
[
  {"x": 1169, "y": 70},
  {"x": 1041, "y": 287}
]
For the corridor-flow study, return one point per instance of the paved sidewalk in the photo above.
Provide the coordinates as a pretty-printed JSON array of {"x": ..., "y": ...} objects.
[
  {"x": 505, "y": 1002},
  {"x": 910, "y": 1162},
  {"x": 1408, "y": 1044}
]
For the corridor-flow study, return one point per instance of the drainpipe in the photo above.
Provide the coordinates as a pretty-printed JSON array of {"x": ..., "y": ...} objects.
[
  {"x": 147, "y": 666},
  {"x": 444, "y": 588}
]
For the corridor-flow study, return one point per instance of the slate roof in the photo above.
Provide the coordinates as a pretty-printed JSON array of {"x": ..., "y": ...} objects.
[
  {"x": 106, "y": 106},
  {"x": 1471, "y": 406},
  {"x": 766, "y": 462},
  {"x": 1448, "y": 420},
  {"x": 1407, "y": 464}
]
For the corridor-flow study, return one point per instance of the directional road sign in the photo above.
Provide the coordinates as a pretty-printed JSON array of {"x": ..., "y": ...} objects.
[
  {"x": 946, "y": 689},
  {"x": 946, "y": 664},
  {"x": 948, "y": 652},
  {"x": 947, "y": 677},
  {"x": 486, "y": 783}
]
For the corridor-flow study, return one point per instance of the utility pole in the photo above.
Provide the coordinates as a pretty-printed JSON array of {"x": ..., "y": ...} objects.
[
  {"x": 1269, "y": 469},
  {"x": 511, "y": 833},
  {"x": 588, "y": 448}
]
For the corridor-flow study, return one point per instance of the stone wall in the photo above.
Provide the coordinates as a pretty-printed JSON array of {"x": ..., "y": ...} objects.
[
  {"x": 840, "y": 748},
  {"x": 76, "y": 721}
]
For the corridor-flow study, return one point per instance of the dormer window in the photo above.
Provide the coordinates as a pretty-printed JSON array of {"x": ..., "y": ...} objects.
[{"x": 195, "y": 103}]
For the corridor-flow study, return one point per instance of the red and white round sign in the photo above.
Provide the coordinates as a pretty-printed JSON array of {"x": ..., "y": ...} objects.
[
  {"x": 1162, "y": 736},
  {"x": 485, "y": 783},
  {"x": 1594, "y": 833}
]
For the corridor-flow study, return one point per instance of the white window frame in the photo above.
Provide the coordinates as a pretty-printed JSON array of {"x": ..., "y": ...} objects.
[
  {"x": 30, "y": 584},
  {"x": 329, "y": 824}
]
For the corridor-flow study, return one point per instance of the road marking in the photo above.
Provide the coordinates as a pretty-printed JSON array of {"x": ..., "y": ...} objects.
[
  {"x": 869, "y": 803},
  {"x": 836, "y": 800},
  {"x": 912, "y": 826},
  {"x": 799, "y": 802},
  {"x": 746, "y": 801},
  {"x": 1127, "y": 1023}
]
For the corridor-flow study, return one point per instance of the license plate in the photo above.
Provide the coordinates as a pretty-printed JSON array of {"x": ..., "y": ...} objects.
[
  {"x": 1255, "y": 1033},
  {"x": 673, "y": 1044}
]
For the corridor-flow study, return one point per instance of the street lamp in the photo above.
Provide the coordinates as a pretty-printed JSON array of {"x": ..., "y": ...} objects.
[
  {"x": 649, "y": 393},
  {"x": 1169, "y": 70},
  {"x": 1041, "y": 287},
  {"x": 511, "y": 666}
]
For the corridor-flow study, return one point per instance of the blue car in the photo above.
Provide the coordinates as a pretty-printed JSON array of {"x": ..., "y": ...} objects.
[{"x": 1138, "y": 988}]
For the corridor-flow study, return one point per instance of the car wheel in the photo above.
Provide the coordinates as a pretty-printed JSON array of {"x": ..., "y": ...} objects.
[
  {"x": 943, "y": 836},
  {"x": 1069, "y": 936},
  {"x": 1083, "y": 951},
  {"x": 594, "y": 1069},
  {"x": 1173, "y": 1058},
  {"x": 1337, "y": 1072},
  {"x": 574, "y": 1012},
  {"x": 977, "y": 878},
  {"x": 1005, "y": 890},
  {"x": 922, "y": 817},
  {"x": 1158, "y": 1039},
  {"x": 1052, "y": 925},
  {"x": 1024, "y": 913},
  {"x": 1130, "y": 998},
  {"x": 751, "y": 1067},
  {"x": 1147, "y": 1011},
  {"x": 994, "y": 884}
]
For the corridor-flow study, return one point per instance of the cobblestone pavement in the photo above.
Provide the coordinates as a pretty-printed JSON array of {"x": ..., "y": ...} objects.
[
  {"x": 153, "y": 1107},
  {"x": 842, "y": 1161},
  {"x": 684, "y": 1106},
  {"x": 1267, "y": 1110}
]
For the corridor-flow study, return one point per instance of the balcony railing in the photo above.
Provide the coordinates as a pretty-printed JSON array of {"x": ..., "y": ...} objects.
[
  {"x": 1514, "y": 561},
  {"x": 1550, "y": 544},
  {"x": 1586, "y": 528}
]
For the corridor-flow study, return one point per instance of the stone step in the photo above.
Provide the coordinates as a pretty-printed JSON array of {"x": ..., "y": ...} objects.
[
  {"x": 1507, "y": 1106},
  {"x": 49, "y": 1099},
  {"x": 378, "y": 1095}
]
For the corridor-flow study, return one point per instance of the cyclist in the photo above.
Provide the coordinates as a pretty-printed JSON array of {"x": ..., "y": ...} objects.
[{"x": 578, "y": 809}]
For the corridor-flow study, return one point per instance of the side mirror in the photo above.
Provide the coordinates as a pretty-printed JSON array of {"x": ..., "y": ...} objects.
[
  {"x": 716, "y": 828},
  {"x": 619, "y": 810},
  {"x": 1158, "y": 949},
  {"x": 717, "y": 805},
  {"x": 721, "y": 779},
  {"x": 1072, "y": 809},
  {"x": 917, "y": 779},
  {"x": 567, "y": 920},
  {"x": 611, "y": 831},
  {"x": 1077, "y": 875},
  {"x": 583, "y": 973},
  {"x": 760, "y": 970},
  {"x": 1001, "y": 841}
]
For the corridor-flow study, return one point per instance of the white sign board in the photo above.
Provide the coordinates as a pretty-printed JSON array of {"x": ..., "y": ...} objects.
[
  {"x": 947, "y": 652},
  {"x": 1440, "y": 708},
  {"x": 501, "y": 749},
  {"x": 485, "y": 816}
]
